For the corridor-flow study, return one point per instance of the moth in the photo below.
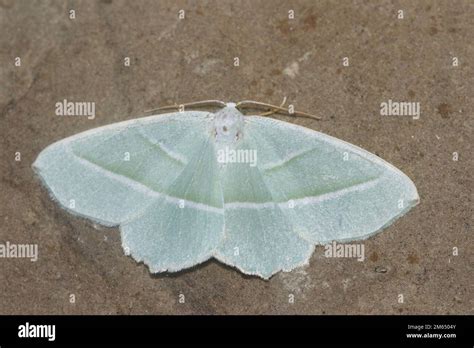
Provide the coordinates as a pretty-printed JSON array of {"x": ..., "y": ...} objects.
[{"x": 178, "y": 202}]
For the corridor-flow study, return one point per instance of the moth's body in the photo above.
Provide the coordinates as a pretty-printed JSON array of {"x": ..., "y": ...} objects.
[
  {"x": 228, "y": 125},
  {"x": 177, "y": 206}
]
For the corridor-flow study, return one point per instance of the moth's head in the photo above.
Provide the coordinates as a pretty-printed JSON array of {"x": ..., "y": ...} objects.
[{"x": 228, "y": 124}]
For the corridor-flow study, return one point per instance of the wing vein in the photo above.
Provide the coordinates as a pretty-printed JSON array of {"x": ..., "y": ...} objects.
[
  {"x": 292, "y": 156},
  {"x": 140, "y": 187},
  {"x": 174, "y": 156}
]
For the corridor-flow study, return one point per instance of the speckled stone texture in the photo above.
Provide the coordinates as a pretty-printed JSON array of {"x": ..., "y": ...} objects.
[{"x": 186, "y": 60}]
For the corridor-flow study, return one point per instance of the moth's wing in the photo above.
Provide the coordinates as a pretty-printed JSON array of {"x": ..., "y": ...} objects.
[
  {"x": 118, "y": 173},
  {"x": 109, "y": 174},
  {"x": 259, "y": 238},
  {"x": 184, "y": 227},
  {"x": 328, "y": 188}
]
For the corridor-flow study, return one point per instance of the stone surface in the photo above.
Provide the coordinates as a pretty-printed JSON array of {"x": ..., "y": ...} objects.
[{"x": 186, "y": 60}]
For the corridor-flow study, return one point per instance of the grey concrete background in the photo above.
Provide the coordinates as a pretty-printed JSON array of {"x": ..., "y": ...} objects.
[{"x": 175, "y": 60}]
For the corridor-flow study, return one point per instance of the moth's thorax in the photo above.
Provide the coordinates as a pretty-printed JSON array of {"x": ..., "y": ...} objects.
[{"x": 228, "y": 125}]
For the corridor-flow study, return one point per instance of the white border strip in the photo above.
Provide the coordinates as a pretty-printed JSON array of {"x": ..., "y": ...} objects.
[{"x": 134, "y": 185}]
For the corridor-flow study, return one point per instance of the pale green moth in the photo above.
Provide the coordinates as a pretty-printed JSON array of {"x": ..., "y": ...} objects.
[{"x": 250, "y": 191}]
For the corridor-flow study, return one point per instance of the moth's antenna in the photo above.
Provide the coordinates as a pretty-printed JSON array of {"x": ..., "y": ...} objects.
[
  {"x": 271, "y": 112},
  {"x": 216, "y": 103},
  {"x": 251, "y": 103}
]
